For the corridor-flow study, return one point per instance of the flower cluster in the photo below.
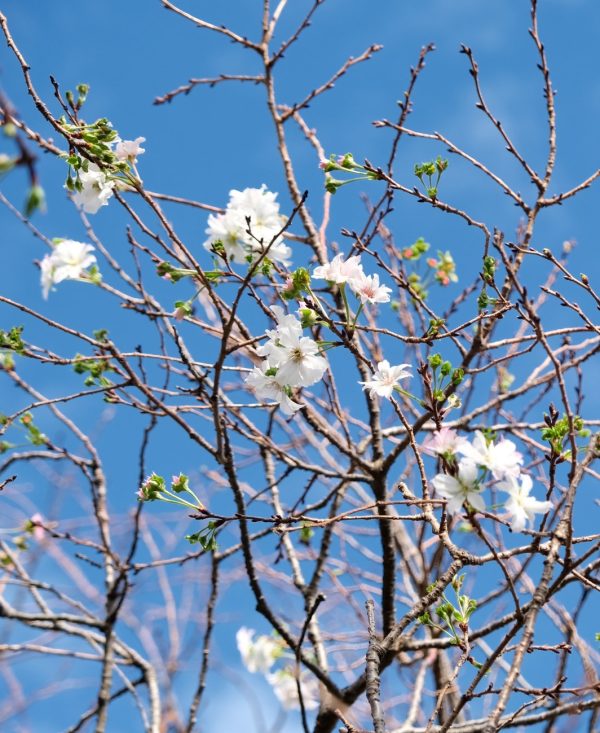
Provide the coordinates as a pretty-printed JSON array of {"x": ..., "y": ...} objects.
[
  {"x": 92, "y": 185},
  {"x": 445, "y": 268},
  {"x": 250, "y": 226},
  {"x": 69, "y": 260},
  {"x": 291, "y": 360},
  {"x": 366, "y": 287},
  {"x": 481, "y": 459},
  {"x": 260, "y": 654}
]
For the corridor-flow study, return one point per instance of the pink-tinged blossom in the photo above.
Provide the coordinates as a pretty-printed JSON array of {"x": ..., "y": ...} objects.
[
  {"x": 443, "y": 442},
  {"x": 385, "y": 378},
  {"x": 501, "y": 458},
  {"x": 340, "y": 270},
  {"x": 257, "y": 655},
  {"x": 460, "y": 489},
  {"x": 151, "y": 488},
  {"x": 267, "y": 386},
  {"x": 96, "y": 190},
  {"x": 285, "y": 687},
  {"x": 67, "y": 261},
  {"x": 368, "y": 289},
  {"x": 37, "y": 530},
  {"x": 519, "y": 504},
  {"x": 130, "y": 149}
]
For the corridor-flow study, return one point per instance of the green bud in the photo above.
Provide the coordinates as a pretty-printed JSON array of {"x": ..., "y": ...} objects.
[
  {"x": 458, "y": 375},
  {"x": 308, "y": 317},
  {"x": 441, "y": 164},
  {"x": 446, "y": 368},
  {"x": 36, "y": 200},
  {"x": 331, "y": 184},
  {"x": 6, "y": 163},
  {"x": 9, "y": 129},
  {"x": 180, "y": 484},
  {"x": 435, "y": 360}
]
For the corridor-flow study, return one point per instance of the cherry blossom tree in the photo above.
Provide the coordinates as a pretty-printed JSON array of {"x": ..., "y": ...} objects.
[{"x": 386, "y": 452}]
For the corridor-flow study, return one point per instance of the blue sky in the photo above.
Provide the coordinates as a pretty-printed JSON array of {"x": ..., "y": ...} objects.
[{"x": 212, "y": 140}]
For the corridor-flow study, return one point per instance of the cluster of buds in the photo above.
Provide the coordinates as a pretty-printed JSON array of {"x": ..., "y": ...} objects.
[
  {"x": 558, "y": 431},
  {"x": 445, "y": 268},
  {"x": 416, "y": 250},
  {"x": 33, "y": 528},
  {"x": 440, "y": 269},
  {"x": 438, "y": 377},
  {"x": 345, "y": 164},
  {"x": 296, "y": 285},
  {"x": 453, "y": 616},
  {"x": 154, "y": 488},
  {"x": 430, "y": 170},
  {"x": 489, "y": 270},
  {"x": 94, "y": 368}
]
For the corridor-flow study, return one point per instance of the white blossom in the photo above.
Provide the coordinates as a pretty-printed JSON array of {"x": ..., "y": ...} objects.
[
  {"x": 296, "y": 357},
  {"x": 340, "y": 270},
  {"x": 519, "y": 504},
  {"x": 285, "y": 688},
  {"x": 501, "y": 458},
  {"x": 460, "y": 489},
  {"x": 231, "y": 227},
  {"x": 67, "y": 261},
  {"x": 443, "y": 442},
  {"x": 385, "y": 378},
  {"x": 96, "y": 190},
  {"x": 130, "y": 149},
  {"x": 267, "y": 386},
  {"x": 259, "y": 655},
  {"x": 368, "y": 289}
]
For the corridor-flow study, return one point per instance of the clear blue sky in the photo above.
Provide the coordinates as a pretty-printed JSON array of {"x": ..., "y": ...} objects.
[{"x": 204, "y": 144}]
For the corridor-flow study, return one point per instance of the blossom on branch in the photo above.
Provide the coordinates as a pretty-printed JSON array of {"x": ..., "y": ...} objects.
[
  {"x": 385, "y": 378},
  {"x": 129, "y": 149},
  {"x": 519, "y": 504},
  {"x": 267, "y": 386},
  {"x": 340, "y": 270},
  {"x": 241, "y": 238},
  {"x": 501, "y": 458},
  {"x": 368, "y": 289},
  {"x": 464, "y": 487},
  {"x": 296, "y": 357},
  {"x": 69, "y": 260},
  {"x": 257, "y": 655},
  {"x": 96, "y": 189},
  {"x": 285, "y": 687},
  {"x": 443, "y": 442}
]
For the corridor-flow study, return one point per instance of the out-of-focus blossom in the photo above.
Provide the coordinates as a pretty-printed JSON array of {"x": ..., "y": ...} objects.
[
  {"x": 130, "y": 149},
  {"x": 68, "y": 260},
  {"x": 443, "y": 442},
  {"x": 285, "y": 687},
  {"x": 257, "y": 655}
]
